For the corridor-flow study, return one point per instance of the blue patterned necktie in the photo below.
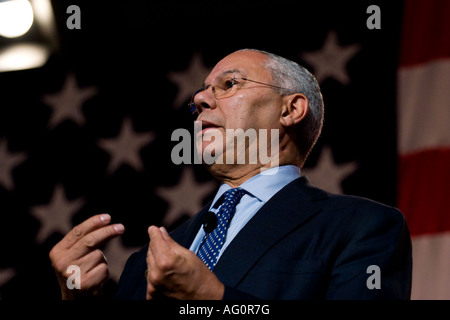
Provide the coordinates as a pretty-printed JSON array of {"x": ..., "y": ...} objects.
[{"x": 213, "y": 242}]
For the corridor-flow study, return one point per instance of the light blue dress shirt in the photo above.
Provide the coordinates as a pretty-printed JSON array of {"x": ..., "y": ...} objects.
[{"x": 260, "y": 189}]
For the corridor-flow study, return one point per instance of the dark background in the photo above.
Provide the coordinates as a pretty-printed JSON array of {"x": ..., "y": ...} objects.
[{"x": 127, "y": 50}]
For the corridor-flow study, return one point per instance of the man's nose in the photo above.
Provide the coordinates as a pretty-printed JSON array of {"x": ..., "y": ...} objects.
[{"x": 205, "y": 100}]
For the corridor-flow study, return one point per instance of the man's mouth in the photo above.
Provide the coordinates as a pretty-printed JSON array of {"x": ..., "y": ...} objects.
[{"x": 206, "y": 125}]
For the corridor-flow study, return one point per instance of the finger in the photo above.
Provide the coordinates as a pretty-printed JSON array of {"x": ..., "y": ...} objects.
[
  {"x": 84, "y": 228},
  {"x": 172, "y": 244},
  {"x": 95, "y": 277},
  {"x": 167, "y": 237},
  {"x": 91, "y": 260},
  {"x": 150, "y": 259},
  {"x": 151, "y": 262},
  {"x": 151, "y": 291},
  {"x": 96, "y": 238},
  {"x": 152, "y": 268},
  {"x": 158, "y": 245}
]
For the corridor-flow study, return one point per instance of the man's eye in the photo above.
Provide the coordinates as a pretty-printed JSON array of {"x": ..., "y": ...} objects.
[{"x": 229, "y": 83}]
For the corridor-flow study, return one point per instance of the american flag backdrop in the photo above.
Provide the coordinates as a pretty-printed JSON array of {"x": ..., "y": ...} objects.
[
  {"x": 424, "y": 143},
  {"x": 90, "y": 131}
]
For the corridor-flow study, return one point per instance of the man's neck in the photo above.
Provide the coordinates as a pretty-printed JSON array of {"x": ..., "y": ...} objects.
[{"x": 235, "y": 175}]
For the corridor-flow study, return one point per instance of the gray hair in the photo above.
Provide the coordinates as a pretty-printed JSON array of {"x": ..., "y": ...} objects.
[{"x": 290, "y": 75}]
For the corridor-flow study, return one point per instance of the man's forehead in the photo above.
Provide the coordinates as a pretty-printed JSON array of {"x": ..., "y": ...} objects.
[{"x": 244, "y": 63}]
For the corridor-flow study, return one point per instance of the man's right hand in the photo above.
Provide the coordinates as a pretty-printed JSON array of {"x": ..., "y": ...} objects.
[{"x": 80, "y": 247}]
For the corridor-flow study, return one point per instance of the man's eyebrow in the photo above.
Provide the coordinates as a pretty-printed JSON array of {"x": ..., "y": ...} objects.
[
  {"x": 230, "y": 71},
  {"x": 224, "y": 73}
]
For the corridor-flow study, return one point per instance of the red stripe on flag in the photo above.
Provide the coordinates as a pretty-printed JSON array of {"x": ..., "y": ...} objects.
[
  {"x": 426, "y": 31},
  {"x": 424, "y": 190}
]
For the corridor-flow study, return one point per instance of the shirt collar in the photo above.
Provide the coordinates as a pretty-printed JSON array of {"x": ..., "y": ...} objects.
[{"x": 264, "y": 185}]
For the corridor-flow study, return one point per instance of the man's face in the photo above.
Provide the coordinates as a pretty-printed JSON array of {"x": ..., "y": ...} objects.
[{"x": 252, "y": 106}]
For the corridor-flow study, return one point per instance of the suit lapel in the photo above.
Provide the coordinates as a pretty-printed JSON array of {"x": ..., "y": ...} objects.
[
  {"x": 285, "y": 211},
  {"x": 186, "y": 233}
]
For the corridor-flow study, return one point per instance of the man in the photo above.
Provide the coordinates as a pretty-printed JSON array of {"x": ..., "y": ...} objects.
[{"x": 273, "y": 235}]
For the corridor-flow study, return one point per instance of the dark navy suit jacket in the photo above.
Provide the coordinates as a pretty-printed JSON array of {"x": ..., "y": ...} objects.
[{"x": 304, "y": 243}]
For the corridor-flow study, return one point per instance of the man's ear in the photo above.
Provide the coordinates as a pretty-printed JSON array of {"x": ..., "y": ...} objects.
[{"x": 294, "y": 109}]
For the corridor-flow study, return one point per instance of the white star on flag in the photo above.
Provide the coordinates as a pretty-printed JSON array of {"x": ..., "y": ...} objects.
[
  {"x": 67, "y": 104},
  {"x": 190, "y": 80},
  {"x": 186, "y": 197},
  {"x": 331, "y": 60},
  {"x": 56, "y": 216},
  {"x": 8, "y": 161},
  {"x": 328, "y": 175},
  {"x": 125, "y": 148}
]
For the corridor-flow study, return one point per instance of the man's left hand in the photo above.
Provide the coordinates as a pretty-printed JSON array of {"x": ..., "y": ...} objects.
[{"x": 177, "y": 272}]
